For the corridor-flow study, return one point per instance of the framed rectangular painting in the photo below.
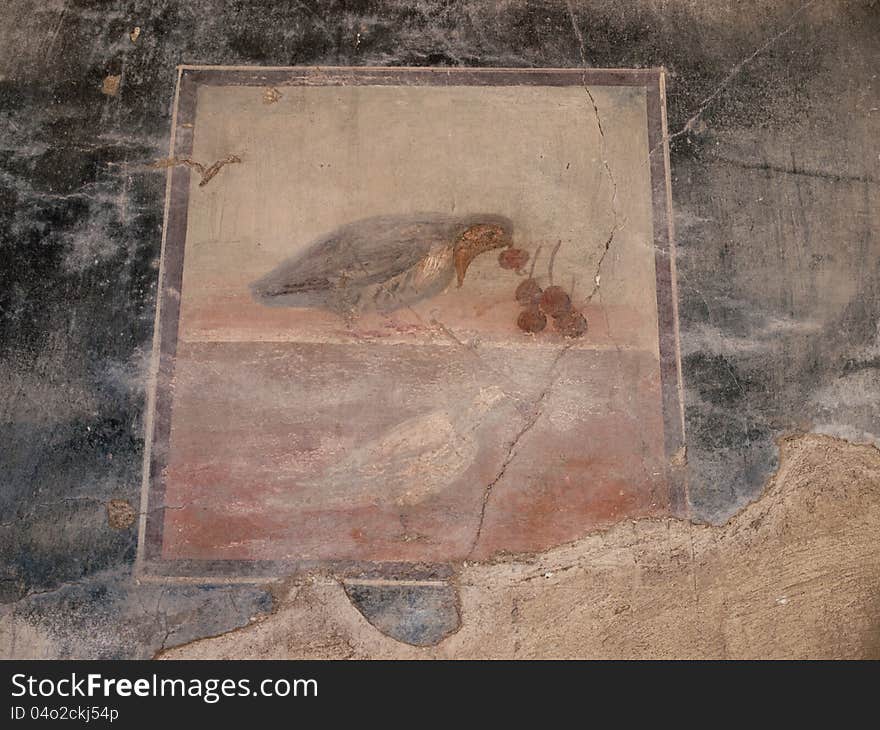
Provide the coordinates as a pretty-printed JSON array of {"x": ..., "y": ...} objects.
[{"x": 408, "y": 318}]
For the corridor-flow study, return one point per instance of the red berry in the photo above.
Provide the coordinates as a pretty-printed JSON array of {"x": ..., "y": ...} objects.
[
  {"x": 531, "y": 320},
  {"x": 528, "y": 292},
  {"x": 571, "y": 324},
  {"x": 555, "y": 301},
  {"x": 513, "y": 258}
]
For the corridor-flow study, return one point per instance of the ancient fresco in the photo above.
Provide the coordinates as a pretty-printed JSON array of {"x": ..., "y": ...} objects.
[{"x": 410, "y": 318}]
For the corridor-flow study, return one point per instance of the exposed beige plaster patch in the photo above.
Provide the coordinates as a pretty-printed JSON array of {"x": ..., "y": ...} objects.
[
  {"x": 120, "y": 514},
  {"x": 271, "y": 96},
  {"x": 110, "y": 85}
]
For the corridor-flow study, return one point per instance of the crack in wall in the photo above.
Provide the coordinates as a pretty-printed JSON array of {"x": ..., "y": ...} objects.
[
  {"x": 206, "y": 173},
  {"x": 603, "y": 148},
  {"x": 691, "y": 123},
  {"x": 536, "y": 413},
  {"x": 159, "y": 618},
  {"x": 795, "y": 170},
  {"x": 91, "y": 500},
  {"x": 596, "y": 276}
]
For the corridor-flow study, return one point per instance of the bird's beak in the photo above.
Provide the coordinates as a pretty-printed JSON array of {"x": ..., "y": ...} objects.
[
  {"x": 462, "y": 261},
  {"x": 474, "y": 241}
]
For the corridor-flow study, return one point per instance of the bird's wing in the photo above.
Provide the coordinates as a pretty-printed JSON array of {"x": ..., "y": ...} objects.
[{"x": 360, "y": 254}]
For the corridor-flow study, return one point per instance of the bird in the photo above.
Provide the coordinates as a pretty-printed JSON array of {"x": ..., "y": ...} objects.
[
  {"x": 383, "y": 263},
  {"x": 408, "y": 462}
]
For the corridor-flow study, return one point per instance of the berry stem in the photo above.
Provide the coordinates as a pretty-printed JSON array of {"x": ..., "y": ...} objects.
[
  {"x": 552, "y": 259},
  {"x": 534, "y": 261}
]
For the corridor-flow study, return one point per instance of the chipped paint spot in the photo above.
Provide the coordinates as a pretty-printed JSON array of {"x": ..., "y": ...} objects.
[
  {"x": 110, "y": 85},
  {"x": 120, "y": 514},
  {"x": 271, "y": 95}
]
